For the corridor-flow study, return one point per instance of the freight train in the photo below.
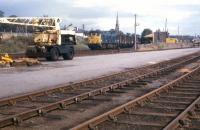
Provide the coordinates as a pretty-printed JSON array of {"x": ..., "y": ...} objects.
[{"x": 109, "y": 40}]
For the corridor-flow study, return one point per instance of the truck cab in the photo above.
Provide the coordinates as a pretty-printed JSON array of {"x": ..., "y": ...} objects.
[{"x": 52, "y": 44}]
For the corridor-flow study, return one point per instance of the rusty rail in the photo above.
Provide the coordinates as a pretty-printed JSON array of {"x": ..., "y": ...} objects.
[
  {"x": 110, "y": 115},
  {"x": 180, "y": 121}
]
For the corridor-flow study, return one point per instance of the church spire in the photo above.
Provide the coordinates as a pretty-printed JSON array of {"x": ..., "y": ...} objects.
[{"x": 117, "y": 24}]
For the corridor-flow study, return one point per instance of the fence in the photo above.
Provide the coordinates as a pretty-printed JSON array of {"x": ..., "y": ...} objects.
[{"x": 8, "y": 35}]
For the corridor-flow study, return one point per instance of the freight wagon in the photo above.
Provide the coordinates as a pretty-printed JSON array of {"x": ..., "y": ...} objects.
[{"x": 109, "y": 40}]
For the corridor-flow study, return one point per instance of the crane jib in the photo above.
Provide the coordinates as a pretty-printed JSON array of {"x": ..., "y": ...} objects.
[{"x": 51, "y": 22}]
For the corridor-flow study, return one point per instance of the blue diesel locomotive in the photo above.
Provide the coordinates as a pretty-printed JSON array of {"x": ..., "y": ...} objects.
[{"x": 109, "y": 40}]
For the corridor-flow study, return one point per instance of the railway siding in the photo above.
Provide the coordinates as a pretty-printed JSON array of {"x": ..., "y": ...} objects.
[{"x": 150, "y": 111}]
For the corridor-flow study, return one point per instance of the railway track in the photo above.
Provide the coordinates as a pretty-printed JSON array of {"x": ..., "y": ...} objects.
[
  {"x": 17, "y": 109},
  {"x": 189, "y": 119},
  {"x": 79, "y": 53},
  {"x": 115, "y": 51},
  {"x": 172, "y": 106}
]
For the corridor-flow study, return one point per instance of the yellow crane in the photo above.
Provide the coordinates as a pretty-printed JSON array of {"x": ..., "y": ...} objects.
[{"x": 50, "y": 43}]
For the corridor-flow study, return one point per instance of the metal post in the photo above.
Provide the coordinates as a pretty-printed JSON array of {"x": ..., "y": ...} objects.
[
  {"x": 178, "y": 30},
  {"x": 118, "y": 48},
  {"x": 26, "y": 30},
  {"x": 178, "y": 34},
  {"x": 135, "y": 33},
  {"x": 166, "y": 25}
]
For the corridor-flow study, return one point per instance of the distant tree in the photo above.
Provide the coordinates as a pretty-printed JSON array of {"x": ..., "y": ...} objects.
[
  {"x": 145, "y": 33},
  {"x": 13, "y": 16},
  {"x": 1, "y": 13},
  {"x": 45, "y": 15}
]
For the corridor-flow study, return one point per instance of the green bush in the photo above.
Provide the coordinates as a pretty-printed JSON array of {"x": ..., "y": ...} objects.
[
  {"x": 161, "y": 46},
  {"x": 15, "y": 44}
]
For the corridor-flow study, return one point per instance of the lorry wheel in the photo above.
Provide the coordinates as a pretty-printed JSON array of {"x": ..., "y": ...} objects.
[
  {"x": 31, "y": 52},
  {"x": 69, "y": 55},
  {"x": 48, "y": 58},
  {"x": 54, "y": 54}
]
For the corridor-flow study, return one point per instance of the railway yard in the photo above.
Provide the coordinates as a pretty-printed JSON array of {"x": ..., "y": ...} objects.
[
  {"x": 125, "y": 91},
  {"x": 99, "y": 65}
]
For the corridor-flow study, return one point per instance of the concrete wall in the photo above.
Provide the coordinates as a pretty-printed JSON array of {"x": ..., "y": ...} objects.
[{"x": 161, "y": 46}]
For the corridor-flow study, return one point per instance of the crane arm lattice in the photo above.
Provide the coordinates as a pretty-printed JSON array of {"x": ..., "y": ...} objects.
[{"x": 51, "y": 22}]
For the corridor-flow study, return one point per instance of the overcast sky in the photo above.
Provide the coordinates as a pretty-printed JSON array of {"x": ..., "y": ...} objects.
[{"x": 101, "y": 14}]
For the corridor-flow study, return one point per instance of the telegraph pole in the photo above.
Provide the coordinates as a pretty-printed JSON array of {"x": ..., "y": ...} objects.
[
  {"x": 135, "y": 42},
  {"x": 26, "y": 30},
  {"x": 166, "y": 25},
  {"x": 118, "y": 32},
  {"x": 178, "y": 30}
]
